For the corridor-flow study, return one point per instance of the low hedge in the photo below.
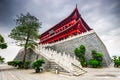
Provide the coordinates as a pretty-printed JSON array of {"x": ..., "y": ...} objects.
[{"x": 19, "y": 64}]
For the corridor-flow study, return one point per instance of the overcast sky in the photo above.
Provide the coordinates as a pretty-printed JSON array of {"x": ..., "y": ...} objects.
[{"x": 101, "y": 15}]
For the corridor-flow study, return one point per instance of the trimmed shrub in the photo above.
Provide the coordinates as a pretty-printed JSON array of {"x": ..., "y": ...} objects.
[
  {"x": 37, "y": 64},
  {"x": 94, "y": 63},
  {"x": 80, "y": 53},
  {"x": 27, "y": 64},
  {"x": 97, "y": 56},
  {"x": 116, "y": 61},
  {"x": 19, "y": 64},
  {"x": 1, "y": 59},
  {"x": 83, "y": 63},
  {"x": 15, "y": 63},
  {"x": 77, "y": 52}
]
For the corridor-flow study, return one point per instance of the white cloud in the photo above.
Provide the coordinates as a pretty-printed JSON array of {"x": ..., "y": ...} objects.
[{"x": 112, "y": 42}]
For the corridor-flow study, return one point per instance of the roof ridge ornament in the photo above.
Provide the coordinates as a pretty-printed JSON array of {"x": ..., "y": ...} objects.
[{"x": 76, "y": 5}]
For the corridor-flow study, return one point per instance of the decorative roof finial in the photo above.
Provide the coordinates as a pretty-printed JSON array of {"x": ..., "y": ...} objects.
[{"x": 76, "y": 5}]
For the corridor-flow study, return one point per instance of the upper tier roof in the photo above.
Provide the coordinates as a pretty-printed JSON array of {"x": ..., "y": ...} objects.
[{"x": 74, "y": 14}]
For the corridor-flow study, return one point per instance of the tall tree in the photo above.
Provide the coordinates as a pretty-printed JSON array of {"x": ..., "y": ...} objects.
[
  {"x": 26, "y": 31},
  {"x": 3, "y": 45}
]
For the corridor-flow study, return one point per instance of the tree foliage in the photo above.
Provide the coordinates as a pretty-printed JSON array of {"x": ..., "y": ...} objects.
[
  {"x": 1, "y": 59},
  {"x": 97, "y": 55},
  {"x": 94, "y": 63},
  {"x": 114, "y": 57},
  {"x": 77, "y": 52},
  {"x": 80, "y": 53},
  {"x": 97, "y": 58},
  {"x": 26, "y": 31},
  {"x": 19, "y": 64},
  {"x": 3, "y": 45},
  {"x": 38, "y": 63},
  {"x": 27, "y": 27},
  {"x": 82, "y": 49},
  {"x": 116, "y": 61}
]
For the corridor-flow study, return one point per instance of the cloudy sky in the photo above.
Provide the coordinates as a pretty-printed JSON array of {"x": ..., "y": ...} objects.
[{"x": 101, "y": 15}]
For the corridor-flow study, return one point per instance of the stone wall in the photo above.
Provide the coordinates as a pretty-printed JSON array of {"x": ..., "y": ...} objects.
[
  {"x": 32, "y": 56},
  {"x": 91, "y": 42}
]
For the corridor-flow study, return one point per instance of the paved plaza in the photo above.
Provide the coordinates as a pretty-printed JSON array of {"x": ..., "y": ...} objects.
[{"x": 10, "y": 73}]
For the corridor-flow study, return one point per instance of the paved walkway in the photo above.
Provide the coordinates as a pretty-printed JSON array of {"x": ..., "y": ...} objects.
[{"x": 10, "y": 73}]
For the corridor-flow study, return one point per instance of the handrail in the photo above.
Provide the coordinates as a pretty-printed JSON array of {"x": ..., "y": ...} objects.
[
  {"x": 78, "y": 67},
  {"x": 58, "y": 59},
  {"x": 55, "y": 62}
]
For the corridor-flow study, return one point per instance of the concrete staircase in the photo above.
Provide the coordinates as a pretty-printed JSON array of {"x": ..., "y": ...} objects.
[
  {"x": 55, "y": 68},
  {"x": 61, "y": 61}
]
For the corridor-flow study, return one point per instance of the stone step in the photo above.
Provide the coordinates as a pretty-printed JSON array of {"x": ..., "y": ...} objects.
[{"x": 55, "y": 66}]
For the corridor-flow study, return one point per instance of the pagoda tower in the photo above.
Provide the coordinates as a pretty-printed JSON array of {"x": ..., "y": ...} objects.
[
  {"x": 70, "y": 26},
  {"x": 72, "y": 32}
]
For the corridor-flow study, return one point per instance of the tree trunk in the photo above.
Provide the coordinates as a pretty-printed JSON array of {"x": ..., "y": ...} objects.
[{"x": 25, "y": 50}]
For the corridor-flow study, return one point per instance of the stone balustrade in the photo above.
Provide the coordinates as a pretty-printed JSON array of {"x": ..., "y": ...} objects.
[{"x": 62, "y": 59}]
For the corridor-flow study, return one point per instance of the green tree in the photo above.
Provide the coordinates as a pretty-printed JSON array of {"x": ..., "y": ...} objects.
[
  {"x": 114, "y": 58},
  {"x": 97, "y": 55},
  {"x": 26, "y": 31},
  {"x": 3, "y": 45},
  {"x": 94, "y": 63},
  {"x": 77, "y": 52},
  {"x": 116, "y": 61},
  {"x": 94, "y": 53},
  {"x": 80, "y": 53},
  {"x": 97, "y": 58},
  {"x": 82, "y": 49}
]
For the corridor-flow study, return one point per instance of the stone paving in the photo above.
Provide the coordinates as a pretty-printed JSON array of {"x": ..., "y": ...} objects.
[{"x": 10, "y": 73}]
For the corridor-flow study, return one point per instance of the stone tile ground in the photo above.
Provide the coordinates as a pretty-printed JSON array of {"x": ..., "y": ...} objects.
[{"x": 10, "y": 73}]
